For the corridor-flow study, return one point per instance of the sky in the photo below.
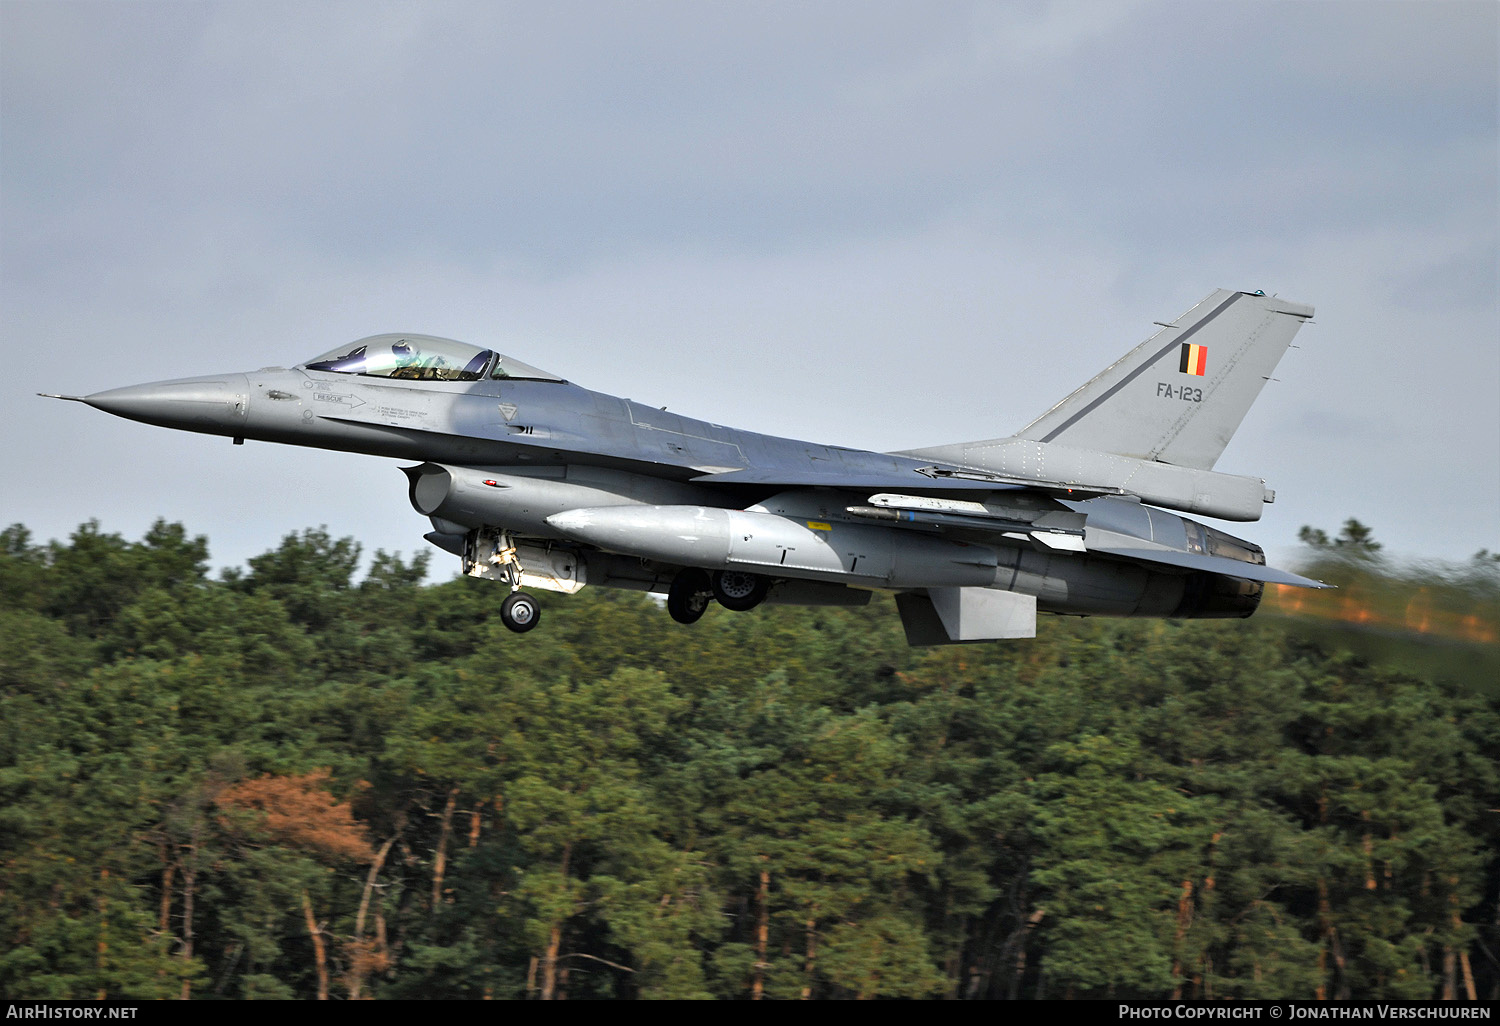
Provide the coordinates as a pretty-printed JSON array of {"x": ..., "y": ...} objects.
[{"x": 872, "y": 224}]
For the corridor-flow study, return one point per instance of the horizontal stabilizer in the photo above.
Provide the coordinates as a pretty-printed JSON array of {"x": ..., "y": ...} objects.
[{"x": 1212, "y": 564}]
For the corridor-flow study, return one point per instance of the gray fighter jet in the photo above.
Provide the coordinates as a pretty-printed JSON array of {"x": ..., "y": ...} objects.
[{"x": 539, "y": 483}]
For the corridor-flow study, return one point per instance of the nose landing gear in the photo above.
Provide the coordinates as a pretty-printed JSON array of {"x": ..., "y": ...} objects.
[
  {"x": 520, "y": 612},
  {"x": 493, "y": 554}
]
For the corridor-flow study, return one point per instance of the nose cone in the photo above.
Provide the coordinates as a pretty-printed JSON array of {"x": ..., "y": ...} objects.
[{"x": 215, "y": 404}]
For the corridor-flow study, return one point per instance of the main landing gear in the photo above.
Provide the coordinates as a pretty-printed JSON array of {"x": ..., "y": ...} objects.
[
  {"x": 689, "y": 595},
  {"x": 693, "y": 589},
  {"x": 738, "y": 590}
]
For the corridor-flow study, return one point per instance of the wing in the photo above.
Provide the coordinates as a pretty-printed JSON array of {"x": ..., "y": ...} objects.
[{"x": 917, "y": 480}]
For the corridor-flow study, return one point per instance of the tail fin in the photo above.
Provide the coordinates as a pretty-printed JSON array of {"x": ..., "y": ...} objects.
[{"x": 1179, "y": 396}]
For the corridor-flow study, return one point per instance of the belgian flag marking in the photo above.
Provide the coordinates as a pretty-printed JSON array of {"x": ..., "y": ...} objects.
[{"x": 1194, "y": 359}]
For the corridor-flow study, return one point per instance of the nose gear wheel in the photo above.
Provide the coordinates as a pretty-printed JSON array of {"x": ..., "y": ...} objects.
[{"x": 520, "y": 612}]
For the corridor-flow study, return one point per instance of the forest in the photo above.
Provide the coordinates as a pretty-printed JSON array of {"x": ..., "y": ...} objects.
[{"x": 320, "y": 776}]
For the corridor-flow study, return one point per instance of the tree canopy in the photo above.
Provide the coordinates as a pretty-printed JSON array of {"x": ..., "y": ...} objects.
[{"x": 297, "y": 781}]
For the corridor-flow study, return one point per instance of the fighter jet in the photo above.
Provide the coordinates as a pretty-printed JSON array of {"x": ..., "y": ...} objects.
[{"x": 539, "y": 483}]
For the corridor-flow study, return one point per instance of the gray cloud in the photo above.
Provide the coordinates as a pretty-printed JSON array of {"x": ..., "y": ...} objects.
[{"x": 899, "y": 223}]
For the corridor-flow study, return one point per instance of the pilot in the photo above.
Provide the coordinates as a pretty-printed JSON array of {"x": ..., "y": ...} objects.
[{"x": 407, "y": 360}]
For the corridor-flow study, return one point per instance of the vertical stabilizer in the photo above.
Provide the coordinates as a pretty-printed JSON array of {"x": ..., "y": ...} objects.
[{"x": 1179, "y": 396}]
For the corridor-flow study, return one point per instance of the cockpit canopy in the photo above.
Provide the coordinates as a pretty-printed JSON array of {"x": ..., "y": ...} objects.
[{"x": 423, "y": 358}]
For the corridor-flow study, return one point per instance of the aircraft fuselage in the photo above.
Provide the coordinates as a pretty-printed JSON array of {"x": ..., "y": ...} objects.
[
  {"x": 494, "y": 423},
  {"x": 535, "y": 481}
]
